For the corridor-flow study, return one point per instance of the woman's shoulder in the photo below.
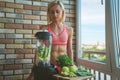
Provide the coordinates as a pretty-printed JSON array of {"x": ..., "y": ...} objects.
[{"x": 69, "y": 29}]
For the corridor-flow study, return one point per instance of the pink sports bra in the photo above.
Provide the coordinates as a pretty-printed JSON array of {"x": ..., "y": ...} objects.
[{"x": 60, "y": 39}]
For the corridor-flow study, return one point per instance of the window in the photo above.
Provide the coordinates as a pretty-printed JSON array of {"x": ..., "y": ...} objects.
[
  {"x": 93, "y": 17},
  {"x": 115, "y": 13},
  {"x": 93, "y": 30}
]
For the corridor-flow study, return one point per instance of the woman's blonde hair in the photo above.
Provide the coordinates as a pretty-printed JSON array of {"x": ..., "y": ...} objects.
[{"x": 58, "y": 2}]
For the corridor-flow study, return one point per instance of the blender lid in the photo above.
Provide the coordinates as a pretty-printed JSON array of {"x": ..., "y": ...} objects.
[{"x": 43, "y": 34}]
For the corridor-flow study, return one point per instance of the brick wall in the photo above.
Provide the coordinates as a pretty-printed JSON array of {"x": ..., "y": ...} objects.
[{"x": 19, "y": 20}]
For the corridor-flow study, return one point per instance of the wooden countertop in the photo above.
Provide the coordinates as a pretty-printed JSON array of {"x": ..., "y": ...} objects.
[{"x": 59, "y": 77}]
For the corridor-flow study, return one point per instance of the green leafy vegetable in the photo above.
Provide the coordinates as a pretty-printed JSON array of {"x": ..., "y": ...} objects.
[
  {"x": 64, "y": 60},
  {"x": 81, "y": 72},
  {"x": 43, "y": 54}
]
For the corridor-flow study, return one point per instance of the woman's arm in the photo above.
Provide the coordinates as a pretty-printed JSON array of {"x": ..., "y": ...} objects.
[{"x": 69, "y": 44}]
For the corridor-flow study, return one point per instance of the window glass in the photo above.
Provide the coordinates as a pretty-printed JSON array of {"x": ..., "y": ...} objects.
[
  {"x": 119, "y": 33},
  {"x": 115, "y": 14},
  {"x": 93, "y": 30},
  {"x": 119, "y": 37}
]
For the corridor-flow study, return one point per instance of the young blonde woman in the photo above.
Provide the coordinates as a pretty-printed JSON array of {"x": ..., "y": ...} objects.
[{"x": 61, "y": 34}]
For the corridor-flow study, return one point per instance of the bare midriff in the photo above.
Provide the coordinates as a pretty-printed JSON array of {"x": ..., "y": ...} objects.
[{"x": 56, "y": 51}]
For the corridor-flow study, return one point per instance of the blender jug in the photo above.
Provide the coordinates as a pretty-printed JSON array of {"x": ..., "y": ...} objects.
[
  {"x": 44, "y": 43},
  {"x": 43, "y": 69}
]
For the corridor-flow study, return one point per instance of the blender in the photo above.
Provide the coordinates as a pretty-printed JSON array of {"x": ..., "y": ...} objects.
[
  {"x": 44, "y": 44},
  {"x": 43, "y": 70}
]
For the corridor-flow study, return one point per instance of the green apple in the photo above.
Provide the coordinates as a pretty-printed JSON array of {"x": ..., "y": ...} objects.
[
  {"x": 65, "y": 73},
  {"x": 73, "y": 68},
  {"x": 65, "y": 69}
]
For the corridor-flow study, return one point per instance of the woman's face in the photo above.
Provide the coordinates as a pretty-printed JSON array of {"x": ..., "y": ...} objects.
[{"x": 56, "y": 13}]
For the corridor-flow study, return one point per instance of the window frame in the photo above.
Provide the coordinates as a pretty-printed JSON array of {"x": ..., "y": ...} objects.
[
  {"x": 115, "y": 68},
  {"x": 102, "y": 67}
]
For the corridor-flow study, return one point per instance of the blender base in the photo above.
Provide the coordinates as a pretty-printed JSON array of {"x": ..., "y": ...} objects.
[{"x": 44, "y": 72}]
